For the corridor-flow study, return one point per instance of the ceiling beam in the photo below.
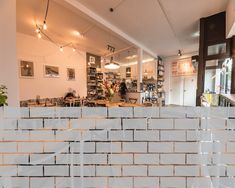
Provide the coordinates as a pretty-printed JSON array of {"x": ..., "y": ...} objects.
[{"x": 109, "y": 25}]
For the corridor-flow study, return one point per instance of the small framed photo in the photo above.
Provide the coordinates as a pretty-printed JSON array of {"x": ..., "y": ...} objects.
[
  {"x": 26, "y": 69},
  {"x": 51, "y": 71},
  {"x": 71, "y": 74}
]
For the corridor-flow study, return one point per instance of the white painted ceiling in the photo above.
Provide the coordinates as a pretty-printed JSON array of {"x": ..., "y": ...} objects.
[
  {"x": 63, "y": 21},
  {"x": 163, "y": 26}
]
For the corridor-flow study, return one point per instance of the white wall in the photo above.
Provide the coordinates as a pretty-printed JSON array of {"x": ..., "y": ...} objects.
[
  {"x": 42, "y": 52},
  {"x": 8, "y": 63}
]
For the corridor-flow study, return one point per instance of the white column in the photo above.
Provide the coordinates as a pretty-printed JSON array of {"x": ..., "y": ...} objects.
[
  {"x": 139, "y": 68},
  {"x": 8, "y": 63}
]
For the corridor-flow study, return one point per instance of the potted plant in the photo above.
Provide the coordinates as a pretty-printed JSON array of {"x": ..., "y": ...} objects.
[{"x": 3, "y": 95}]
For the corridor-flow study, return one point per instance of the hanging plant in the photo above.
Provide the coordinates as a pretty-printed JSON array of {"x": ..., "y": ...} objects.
[{"x": 3, "y": 95}]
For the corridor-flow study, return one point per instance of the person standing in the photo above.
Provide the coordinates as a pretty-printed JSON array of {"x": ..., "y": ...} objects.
[{"x": 123, "y": 90}]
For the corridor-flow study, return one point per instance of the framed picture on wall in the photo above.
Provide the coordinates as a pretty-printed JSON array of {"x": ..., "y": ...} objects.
[
  {"x": 51, "y": 71},
  {"x": 71, "y": 74},
  {"x": 26, "y": 69}
]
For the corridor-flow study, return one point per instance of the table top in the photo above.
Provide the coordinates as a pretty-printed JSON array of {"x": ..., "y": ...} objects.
[{"x": 115, "y": 104}]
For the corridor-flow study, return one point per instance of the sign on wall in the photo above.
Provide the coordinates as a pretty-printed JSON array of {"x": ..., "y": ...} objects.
[{"x": 183, "y": 68}]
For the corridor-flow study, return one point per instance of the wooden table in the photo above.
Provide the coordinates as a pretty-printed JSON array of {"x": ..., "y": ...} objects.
[{"x": 114, "y": 104}]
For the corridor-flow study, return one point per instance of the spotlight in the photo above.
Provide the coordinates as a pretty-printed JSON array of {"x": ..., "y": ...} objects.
[
  {"x": 44, "y": 25},
  {"x": 61, "y": 49},
  {"x": 179, "y": 53},
  {"x": 74, "y": 50},
  {"x": 39, "y": 35}
]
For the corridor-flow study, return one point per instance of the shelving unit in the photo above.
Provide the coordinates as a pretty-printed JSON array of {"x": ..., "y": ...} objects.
[{"x": 160, "y": 81}]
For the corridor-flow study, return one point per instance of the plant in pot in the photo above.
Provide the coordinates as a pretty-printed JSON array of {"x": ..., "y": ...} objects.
[{"x": 3, "y": 95}]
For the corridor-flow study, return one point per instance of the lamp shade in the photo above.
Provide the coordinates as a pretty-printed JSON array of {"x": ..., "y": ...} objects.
[{"x": 111, "y": 65}]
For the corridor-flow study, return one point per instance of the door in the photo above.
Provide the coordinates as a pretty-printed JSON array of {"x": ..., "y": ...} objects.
[
  {"x": 189, "y": 92},
  {"x": 176, "y": 97}
]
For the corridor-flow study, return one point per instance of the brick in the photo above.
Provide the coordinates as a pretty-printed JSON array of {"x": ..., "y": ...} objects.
[
  {"x": 146, "y": 158},
  {"x": 89, "y": 147},
  {"x": 30, "y": 123},
  {"x": 161, "y": 124},
  {"x": 146, "y": 135},
  {"x": 6, "y": 171},
  {"x": 214, "y": 123},
  {"x": 176, "y": 182},
  {"x": 108, "y": 124},
  {"x": 231, "y": 147},
  {"x": 15, "y": 112},
  {"x": 135, "y": 147},
  {"x": 100, "y": 135},
  {"x": 121, "y": 135},
  {"x": 134, "y": 170},
  {"x": 172, "y": 159},
  {"x": 56, "y": 123},
  {"x": 187, "y": 124},
  {"x": 187, "y": 171},
  {"x": 67, "y": 159},
  {"x": 160, "y": 147},
  {"x": 117, "y": 182},
  {"x": 198, "y": 159},
  {"x": 82, "y": 124},
  {"x": 68, "y": 135},
  {"x": 56, "y": 170},
  {"x": 173, "y": 112},
  {"x": 36, "y": 159},
  {"x": 231, "y": 124},
  {"x": 231, "y": 112},
  {"x": 135, "y": 124},
  {"x": 120, "y": 159},
  {"x": 15, "y": 159},
  {"x": 65, "y": 182},
  {"x": 149, "y": 112},
  {"x": 199, "y": 136},
  {"x": 231, "y": 171},
  {"x": 161, "y": 170},
  {"x": 8, "y": 147},
  {"x": 150, "y": 182},
  {"x": 30, "y": 147},
  {"x": 40, "y": 182},
  {"x": 219, "y": 112},
  {"x": 211, "y": 147},
  {"x": 52, "y": 147},
  {"x": 114, "y": 147},
  {"x": 12, "y": 135},
  {"x": 108, "y": 171},
  {"x": 172, "y": 135},
  {"x": 95, "y": 159},
  {"x": 120, "y": 112},
  {"x": 20, "y": 182},
  {"x": 30, "y": 171},
  {"x": 68, "y": 112},
  {"x": 213, "y": 171},
  {"x": 39, "y": 112},
  {"x": 87, "y": 171},
  {"x": 94, "y": 112},
  {"x": 199, "y": 181},
  {"x": 42, "y": 135},
  {"x": 8, "y": 124},
  {"x": 224, "y": 159},
  {"x": 187, "y": 147},
  {"x": 194, "y": 112}
]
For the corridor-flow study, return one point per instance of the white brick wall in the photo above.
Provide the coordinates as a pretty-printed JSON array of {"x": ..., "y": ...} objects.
[{"x": 138, "y": 147}]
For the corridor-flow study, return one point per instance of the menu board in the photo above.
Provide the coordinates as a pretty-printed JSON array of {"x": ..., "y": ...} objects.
[{"x": 183, "y": 68}]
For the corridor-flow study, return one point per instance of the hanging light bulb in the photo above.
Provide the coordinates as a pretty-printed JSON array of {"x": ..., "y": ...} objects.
[
  {"x": 61, "y": 49},
  {"x": 39, "y": 35},
  {"x": 44, "y": 25},
  {"x": 179, "y": 53},
  {"x": 37, "y": 30},
  {"x": 74, "y": 50}
]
